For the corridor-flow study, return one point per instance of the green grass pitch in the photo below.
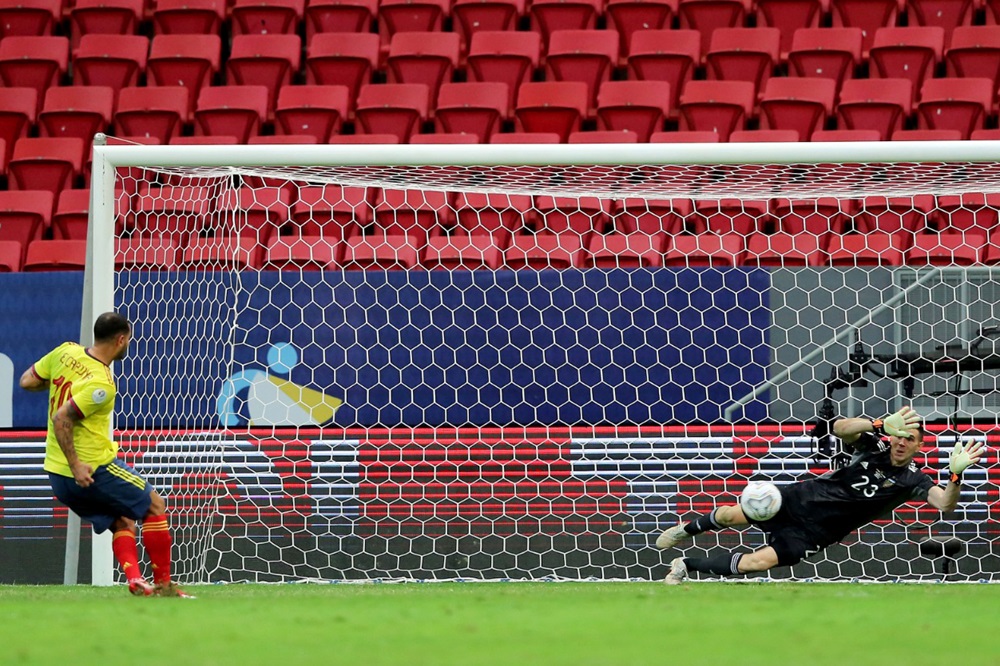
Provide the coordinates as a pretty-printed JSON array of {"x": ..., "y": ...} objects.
[{"x": 520, "y": 624}]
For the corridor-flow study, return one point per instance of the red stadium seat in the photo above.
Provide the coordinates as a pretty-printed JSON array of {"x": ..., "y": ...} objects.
[
  {"x": 975, "y": 53},
  {"x": 474, "y": 16},
  {"x": 339, "y": 16},
  {"x": 504, "y": 57},
  {"x": 726, "y": 216},
  {"x": 33, "y": 62},
  {"x": 765, "y": 136},
  {"x": 813, "y": 217},
  {"x": 11, "y": 254},
  {"x": 476, "y": 108},
  {"x": 718, "y": 106},
  {"x": 176, "y": 212},
  {"x": 411, "y": 16},
  {"x": 630, "y": 16},
  {"x": 160, "y": 113},
  {"x": 685, "y": 136},
  {"x": 948, "y": 14},
  {"x": 257, "y": 213},
  {"x": 392, "y": 108},
  {"x": 332, "y": 211},
  {"x": 704, "y": 249},
  {"x": 879, "y": 104},
  {"x": 985, "y": 135},
  {"x": 799, "y": 104},
  {"x": 184, "y": 60},
  {"x": 300, "y": 253},
  {"x": 946, "y": 249},
  {"x": 603, "y": 136},
  {"x": 547, "y": 16},
  {"x": 423, "y": 57},
  {"x": 215, "y": 140},
  {"x": 973, "y": 211},
  {"x": 616, "y": 250},
  {"x": 29, "y": 18},
  {"x": 188, "y": 17},
  {"x": 444, "y": 138},
  {"x": 380, "y": 252},
  {"x": 25, "y": 216},
  {"x": 77, "y": 111},
  {"x": 927, "y": 135},
  {"x": 846, "y": 135},
  {"x": 869, "y": 15},
  {"x": 71, "y": 217},
  {"x": 743, "y": 54},
  {"x": 707, "y": 16},
  {"x": 104, "y": 17},
  {"x": 51, "y": 164},
  {"x": 282, "y": 140},
  {"x": 18, "y": 108},
  {"x": 552, "y": 106},
  {"x": 145, "y": 254},
  {"x": 219, "y": 253},
  {"x": 582, "y": 216},
  {"x": 545, "y": 250},
  {"x": 639, "y": 106},
  {"x": 345, "y": 59},
  {"x": 266, "y": 17},
  {"x": 906, "y": 53},
  {"x": 115, "y": 61},
  {"x": 462, "y": 251},
  {"x": 831, "y": 53},
  {"x": 665, "y": 55},
  {"x": 317, "y": 111},
  {"x": 55, "y": 255},
  {"x": 783, "y": 250},
  {"x": 652, "y": 216},
  {"x": 788, "y": 16},
  {"x": 415, "y": 213},
  {"x": 959, "y": 104},
  {"x": 492, "y": 214},
  {"x": 588, "y": 56},
  {"x": 871, "y": 249},
  {"x": 893, "y": 214},
  {"x": 526, "y": 137},
  {"x": 237, "y": 111},
  {"x": 264, "y": 60},
  {"x": 360, "y": 139}
]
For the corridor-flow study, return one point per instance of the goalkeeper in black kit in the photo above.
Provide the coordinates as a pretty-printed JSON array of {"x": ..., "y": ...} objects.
[{"x": 823, "y": 510}]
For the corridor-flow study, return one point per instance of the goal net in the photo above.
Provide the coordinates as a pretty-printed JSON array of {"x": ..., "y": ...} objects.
[{"x": 526, "y": 361}]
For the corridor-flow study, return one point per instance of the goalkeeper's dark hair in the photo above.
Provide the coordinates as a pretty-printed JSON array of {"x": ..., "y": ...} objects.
[{"x": 109, "y": 326}]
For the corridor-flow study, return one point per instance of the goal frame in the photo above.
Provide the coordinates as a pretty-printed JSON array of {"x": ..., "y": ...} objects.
[{"x": 98, "y": 292}]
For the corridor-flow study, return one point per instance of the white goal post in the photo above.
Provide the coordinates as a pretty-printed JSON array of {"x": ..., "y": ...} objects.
[{"x": 643, "y": 390}]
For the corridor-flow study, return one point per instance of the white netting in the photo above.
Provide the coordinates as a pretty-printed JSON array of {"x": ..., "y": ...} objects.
[{"x": 325, "y": 388}]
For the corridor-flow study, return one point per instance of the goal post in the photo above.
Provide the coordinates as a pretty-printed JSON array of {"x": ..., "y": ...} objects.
[{"x": 327, "y": 383}]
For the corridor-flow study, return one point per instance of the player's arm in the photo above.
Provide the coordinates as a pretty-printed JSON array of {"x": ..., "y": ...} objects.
[
  {"x": 32, "y": 381},
  {"x": 848, "y": 430},
  {"x": 962, "y": 456},
  {"x": 899, "y": 424},
  {"x": 63, "y": 421}
]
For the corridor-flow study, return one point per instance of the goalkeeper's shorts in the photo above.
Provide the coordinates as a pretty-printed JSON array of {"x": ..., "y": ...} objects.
[{"x": 117, "y": 492}]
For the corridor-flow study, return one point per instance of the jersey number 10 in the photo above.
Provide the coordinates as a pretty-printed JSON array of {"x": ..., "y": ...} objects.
[{"x": 57, "y": 400}]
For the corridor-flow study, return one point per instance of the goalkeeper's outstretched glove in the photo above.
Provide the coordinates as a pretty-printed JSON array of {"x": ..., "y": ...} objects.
[
  {"x": 964, "y": 455},
  {"x": 902, "y": 423}
]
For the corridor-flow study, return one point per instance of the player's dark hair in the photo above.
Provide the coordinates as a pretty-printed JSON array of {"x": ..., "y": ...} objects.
[{"x": 109, "y": 326}]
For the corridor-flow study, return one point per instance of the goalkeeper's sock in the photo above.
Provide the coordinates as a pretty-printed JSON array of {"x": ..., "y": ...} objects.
[
  {"x": 126, "y": 553},
  {"x": 156, "y": 539},
  {"x": 723, "y": 564},
  {"x": 703, "y": 523}
]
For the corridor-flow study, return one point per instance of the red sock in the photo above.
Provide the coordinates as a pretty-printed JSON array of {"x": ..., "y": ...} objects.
[
  {"x": 123, "y": 546},
  {"x": 156, "y": 539}
]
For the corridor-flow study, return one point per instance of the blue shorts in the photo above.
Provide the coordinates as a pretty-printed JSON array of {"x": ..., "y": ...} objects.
[{"x": 117, "y": 491}]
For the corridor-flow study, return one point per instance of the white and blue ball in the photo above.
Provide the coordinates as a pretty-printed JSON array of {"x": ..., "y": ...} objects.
[{"x": 760, "y": 500}]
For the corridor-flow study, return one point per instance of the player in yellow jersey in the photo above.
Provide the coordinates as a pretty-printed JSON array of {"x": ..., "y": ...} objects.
[{"x": 82, "y": 459}]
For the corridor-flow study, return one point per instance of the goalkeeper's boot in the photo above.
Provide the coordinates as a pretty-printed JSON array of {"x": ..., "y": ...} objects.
[
  {"x": 678, "y": 572},
  {"x": 140, "y": 587},
  {"x": 169, "y": 589},
  {"x": 672, "y": 536}
]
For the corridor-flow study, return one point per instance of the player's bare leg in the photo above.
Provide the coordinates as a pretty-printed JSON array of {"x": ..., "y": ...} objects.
[{"x": 723, "y": 516}]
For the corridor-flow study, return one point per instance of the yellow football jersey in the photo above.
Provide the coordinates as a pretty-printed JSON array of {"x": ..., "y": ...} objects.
[{"x": 75, "y": 375}]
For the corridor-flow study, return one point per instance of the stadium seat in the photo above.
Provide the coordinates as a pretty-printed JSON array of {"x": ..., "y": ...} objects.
[
  {"x": 603, "y": 136},
  {"x": 410, "y": 16},
  {"x": 718, "y": 106},
  {"x": 423, "y": 57},
  {"x": 51, "y": 164},
  {"x": 704, "y": 249},
  {"x": 55, "y": 255},
  {"x": 627, "y": 17},
  {"x": 547, "y": 16},
  {"x": 476, "y": 108},
  {"x": 313, "y": 110},
  {"x": 300, "y": 253},
  {"x": 946, "y": 249},
  {"x": 544, "y": 251},
  {"x": 813, "y": 217},
  {"x": 707, "y": 16},
  {"x": 25, "y": 216},
  {"x": 76, "y": 111},
  {"x": 464, "y": 251},
  {"x": 360, "y": 139},
  {"x": 582, "y": 216},
  {"x": 332, "y": 211},
  {"x": 894, "y": 214},
  {"x": 526, "y": 137},
  {"x": 727, "y": 216},
  {"x": 961, "y": 104},
  {"x": 639, "y": 106},
  {"x": 975, "y": 53},
  {"x": 345, "y": 59},
  {"x": 765, "y": 136},
  {"x": 71, "y": 217},
  {"x": 665, "y": 55},
  {"x": 504, "y": 57},
  {"x": 175, "y": 212},
  {"x": 470, "y": 17},
  {"x": 33, "y": 62},
  {"x": 417, "y": 213},
  {"x": 869, "y": 15},
  {"x": 799, "y": 104},
  {"x": 145, "y": 254},
  {"x": 743, "y": 54},
  {"x": 188, "y": 17},
  {"x": 492, "y": 213},
  {"x": 215, "y": 140},
  {"x": 906, "y": 53},
  {"x": 788, "y": 16},
  {"x": 985, "y": 135},
  {"x": 973, "y": 211},
  {"x": 219, "y": 253},
  {"x": 160, "y": 113},
  {"x": 351, "y": 16},
  {"x": 266, "y": 17},
  {"x": 947, "y": 14},
  {"x": 588, "y": 56},
  {"x": 392, "y": 108},
  {"x": 29, "y": 18},
  {"x": 184, "y": 60},
  {"x": 282, "y": 140},
  {"x": 551, "y": 106},
  {"x": 451, "y": 138},
  {"x": 685, "y": 136},
  {"x": 264, "y": 60},
  {"x": 380, "y": 252},
  {"x": 115, "y": 61},
  {"x": 927, "y": 135},
  {"x": 846, "y": 135},
  {"x": 651, "y": 216},
  {"x": 871, "y": 249},
  {"x": 257, "y": 213},
  {"x": 831, "y": 53},
  {"x": 783, "y": 250},
  {"x": 18, "y": 109},
  {"x": 879, "y": 104},
  {"x": 991, "y": 254},
  {"x": 11, "y": 255},
  {"x": 104, "y": 17},
  {"x": 617, "y": 250},
  {"x": 237, "y": 111}
]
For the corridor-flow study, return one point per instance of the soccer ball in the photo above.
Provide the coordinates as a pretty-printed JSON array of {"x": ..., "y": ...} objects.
[{"x": 760, "y": 500}]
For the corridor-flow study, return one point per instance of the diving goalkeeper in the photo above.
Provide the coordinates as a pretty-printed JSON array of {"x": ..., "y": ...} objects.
[{"x": 823, "y": 510}]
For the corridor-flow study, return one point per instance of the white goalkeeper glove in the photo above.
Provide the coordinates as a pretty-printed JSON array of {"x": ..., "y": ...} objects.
[
  {"x": 900, "y": 424},
  {"x": 962, "y": 456}
]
